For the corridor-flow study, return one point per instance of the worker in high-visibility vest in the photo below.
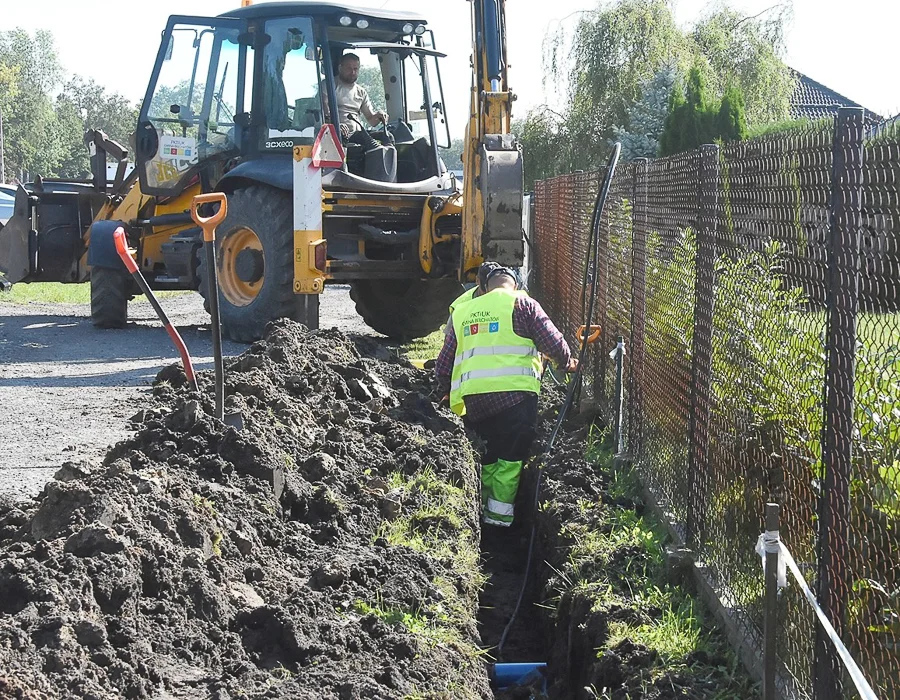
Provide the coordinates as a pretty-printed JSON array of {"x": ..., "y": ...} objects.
[
  {"x": 491, "y": 366},
  {"x": 477, "y": 290}
]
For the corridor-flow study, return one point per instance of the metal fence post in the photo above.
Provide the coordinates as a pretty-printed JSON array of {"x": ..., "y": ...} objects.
[
  {"x": 701, "y": 355},
  {"x": 837, "y": 433},
  {"x": 619, "y": 407},
  {"x": 770, "y": 622},
  {"x": 638, "y": 308}
]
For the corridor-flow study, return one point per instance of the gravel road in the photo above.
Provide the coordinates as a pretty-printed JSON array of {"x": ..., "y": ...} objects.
[{"x": 67, "y": 389}]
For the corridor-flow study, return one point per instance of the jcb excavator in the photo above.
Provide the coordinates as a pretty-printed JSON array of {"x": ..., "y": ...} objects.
[{"x": 233, "y": 103}]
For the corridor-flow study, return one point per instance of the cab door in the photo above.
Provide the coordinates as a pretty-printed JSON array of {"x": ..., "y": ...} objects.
[{"x": 197, "y": 104}]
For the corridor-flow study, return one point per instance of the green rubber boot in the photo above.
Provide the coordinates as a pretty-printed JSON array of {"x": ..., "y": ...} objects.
[{"x": 500, "y": 482}]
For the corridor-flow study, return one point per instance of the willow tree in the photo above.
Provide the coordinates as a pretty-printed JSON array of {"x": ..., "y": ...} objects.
[
  {"x": 614, "y": 51},
  {"x": 603, "y": 69}
]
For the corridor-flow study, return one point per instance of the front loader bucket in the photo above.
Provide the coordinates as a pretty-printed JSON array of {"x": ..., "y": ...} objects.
[
  {"x": 44, "y": 239},
  {"x": 15, "y": 259}
]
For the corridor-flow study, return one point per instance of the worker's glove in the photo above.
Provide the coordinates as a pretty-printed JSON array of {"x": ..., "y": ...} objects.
[
  {"x": 345, "y": 131},
  {"x": 572, "y": 366}
]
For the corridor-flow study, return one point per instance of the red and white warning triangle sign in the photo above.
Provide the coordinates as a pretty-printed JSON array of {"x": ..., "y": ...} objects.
[{"x": 327, "y": 151}]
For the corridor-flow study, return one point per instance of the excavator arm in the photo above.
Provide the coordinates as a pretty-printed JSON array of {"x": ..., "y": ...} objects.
[{"x": 492, "y": 158}]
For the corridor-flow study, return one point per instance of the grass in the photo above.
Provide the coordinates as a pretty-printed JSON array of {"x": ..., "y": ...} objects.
[
  {"x": 441, "y": 510},
  {"x": 426, "y": 348},
  {"x": 614, "y": 557},
  {"x": 881, "y": 330},
  {"x": 436, "y": 526},
  {"x": 673, "y": 636},
  {"x": 58, "y": 293}
]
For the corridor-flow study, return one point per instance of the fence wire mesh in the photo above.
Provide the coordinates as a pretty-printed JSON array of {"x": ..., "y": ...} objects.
[{"x": 756, "y": 288}]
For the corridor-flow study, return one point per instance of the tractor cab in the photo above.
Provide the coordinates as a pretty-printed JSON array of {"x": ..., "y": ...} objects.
[{"x": 230, "y": 96}]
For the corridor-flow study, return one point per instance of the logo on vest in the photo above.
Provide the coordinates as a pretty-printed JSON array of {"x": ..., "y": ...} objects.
[{"x": 494, "y": 328}]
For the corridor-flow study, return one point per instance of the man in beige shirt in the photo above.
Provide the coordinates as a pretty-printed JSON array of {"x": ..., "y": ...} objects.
[{"x": 353, "y": 99}]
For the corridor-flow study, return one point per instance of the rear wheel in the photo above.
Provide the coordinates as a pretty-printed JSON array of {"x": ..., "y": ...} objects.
[
  {"x": 405, "y": 309},
  {"x": 109, "y": 297},
  {"x": 254, "y": 263}
]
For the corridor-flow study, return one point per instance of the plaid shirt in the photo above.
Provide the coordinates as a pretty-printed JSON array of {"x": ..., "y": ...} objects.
[{"x": 529, "y": 321}]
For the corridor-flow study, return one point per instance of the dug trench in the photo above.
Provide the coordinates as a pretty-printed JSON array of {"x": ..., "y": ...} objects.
[
  {"x": 600, "y": 608},
  {"x": 330, "y": 548}
]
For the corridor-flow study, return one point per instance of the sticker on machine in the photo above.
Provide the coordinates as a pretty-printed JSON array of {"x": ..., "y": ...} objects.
[{"x": 180, "y": 149}]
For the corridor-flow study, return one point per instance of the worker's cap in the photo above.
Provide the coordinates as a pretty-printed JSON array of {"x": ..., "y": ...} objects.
[
  {"x": 485, "y": 271},
  {"x": 492, "y": 269}
]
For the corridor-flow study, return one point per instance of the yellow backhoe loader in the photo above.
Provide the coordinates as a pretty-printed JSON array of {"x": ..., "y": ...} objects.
[{"x": 239, "y": 104}]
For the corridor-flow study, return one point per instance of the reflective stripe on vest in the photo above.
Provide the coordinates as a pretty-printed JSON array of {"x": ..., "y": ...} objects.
[
  {"x": 496, "y": 350},
  {"x": 498, "y": 372},
  {"x": 490, "y": 356}
]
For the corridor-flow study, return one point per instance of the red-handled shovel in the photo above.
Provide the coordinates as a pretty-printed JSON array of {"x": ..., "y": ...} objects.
[{"x": 122, "y": 250}]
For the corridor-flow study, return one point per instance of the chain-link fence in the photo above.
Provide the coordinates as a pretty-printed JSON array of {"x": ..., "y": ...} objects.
[{"x": 756, "y": 287}]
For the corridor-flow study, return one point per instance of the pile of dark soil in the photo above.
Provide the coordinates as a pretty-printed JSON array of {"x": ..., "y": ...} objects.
[{"x": 327, "y": 550}]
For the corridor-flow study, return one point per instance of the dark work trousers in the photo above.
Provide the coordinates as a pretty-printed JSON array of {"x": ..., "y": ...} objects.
[
  {"x": 364, "y": 139},
  {"x": 508, "y": 435}
]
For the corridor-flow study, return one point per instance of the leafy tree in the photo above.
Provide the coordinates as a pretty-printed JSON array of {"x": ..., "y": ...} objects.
[
  {"x": 370, "y": 78},
  {"x": 83, "y": 104},
  {"x": 746, "y": 52},
  {"x": 546, "y": 145},
  {"x": 731, "y": 120},
  {"x": 619, "y": 48},
  {"x": 615, "y": 49},
  {"x": 695, "y": 118},
  {"x": 645, "y": 119},
  {"x": 9, "y": 89},
  {"x": 453, "y": 155},
  {"x": 31, "y": 129}
]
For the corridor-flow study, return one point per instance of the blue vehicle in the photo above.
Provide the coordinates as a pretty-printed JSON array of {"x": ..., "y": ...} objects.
[{"x": 6, "y": 206}]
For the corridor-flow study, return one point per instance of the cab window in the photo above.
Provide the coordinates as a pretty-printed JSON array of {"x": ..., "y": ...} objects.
[{"x": 291, "y": 77}]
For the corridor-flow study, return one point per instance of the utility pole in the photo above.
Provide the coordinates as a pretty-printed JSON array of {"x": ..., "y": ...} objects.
[{"x": 2, "y": 150}]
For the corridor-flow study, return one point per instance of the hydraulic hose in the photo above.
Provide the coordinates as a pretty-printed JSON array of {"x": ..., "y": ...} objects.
[{"x": 575, "y": 382}]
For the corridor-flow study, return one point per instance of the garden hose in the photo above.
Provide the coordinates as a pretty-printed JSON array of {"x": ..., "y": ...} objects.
[{"x": 575, "y": 381}]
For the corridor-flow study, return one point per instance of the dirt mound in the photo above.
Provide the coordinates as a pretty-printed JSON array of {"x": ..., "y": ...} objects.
[{"x": 326, "y": 550}]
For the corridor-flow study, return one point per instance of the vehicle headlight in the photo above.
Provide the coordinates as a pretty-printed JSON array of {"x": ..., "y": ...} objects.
[
  {"x": 362, "y": 23},
  {"x": 345, "y": 21},
  {"x": 408, "y": 28},
  {"x": 420, "y": 29}
]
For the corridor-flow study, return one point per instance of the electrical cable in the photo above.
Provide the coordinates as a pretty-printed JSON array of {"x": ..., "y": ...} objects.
[{"x": 590, "y": 264}]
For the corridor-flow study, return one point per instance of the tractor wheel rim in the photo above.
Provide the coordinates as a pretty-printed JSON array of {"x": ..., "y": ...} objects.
[{"x": 234, "y": 289}]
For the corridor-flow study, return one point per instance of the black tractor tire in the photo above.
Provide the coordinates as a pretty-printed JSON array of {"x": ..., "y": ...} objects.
[
  {"x": 261, "y": 217},
  {"x": 109, "y": 297},
  {"x": 404, "y": 309}
]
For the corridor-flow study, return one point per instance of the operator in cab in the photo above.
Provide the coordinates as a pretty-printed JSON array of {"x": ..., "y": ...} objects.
[
  {"x": 491, "y": 367},
  {"x": 354, "y": 103}
]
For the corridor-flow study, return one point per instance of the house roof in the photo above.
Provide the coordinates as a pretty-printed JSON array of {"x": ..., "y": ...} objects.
[{"x": 812, "y": 100}]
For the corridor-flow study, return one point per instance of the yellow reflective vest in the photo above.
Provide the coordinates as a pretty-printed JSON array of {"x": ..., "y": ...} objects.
[{"x": 490, "y": 357}]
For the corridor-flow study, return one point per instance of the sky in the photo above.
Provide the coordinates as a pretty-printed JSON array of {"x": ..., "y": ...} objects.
[{"x": 852, "y": 51}]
